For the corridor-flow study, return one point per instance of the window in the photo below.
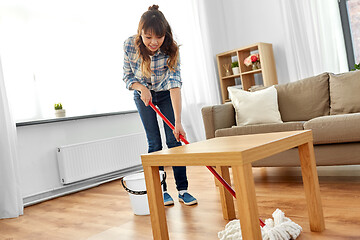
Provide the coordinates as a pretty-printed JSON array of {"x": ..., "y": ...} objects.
[
  {"x": 68, "y": 51},
  {"x": 350, "y": 17},
  {"x": 71, "y": 51}
]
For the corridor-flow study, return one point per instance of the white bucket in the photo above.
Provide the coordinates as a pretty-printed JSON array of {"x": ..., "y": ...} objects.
[{"x": 136, "y": 183}]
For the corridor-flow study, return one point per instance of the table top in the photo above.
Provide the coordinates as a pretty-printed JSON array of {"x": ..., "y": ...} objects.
[{"x": 227, "y": 151}]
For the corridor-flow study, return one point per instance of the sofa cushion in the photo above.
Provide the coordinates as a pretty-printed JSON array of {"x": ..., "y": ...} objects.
[
  {"x": 344, "y": 93},
  {"x": 335, "y": 129},
  {"x": 255, "y": 107},
  {"x": 259, "y": 128},
  {"x": 304, "y": 99}
]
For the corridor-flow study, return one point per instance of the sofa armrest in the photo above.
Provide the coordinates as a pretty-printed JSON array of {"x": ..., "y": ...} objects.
[{"x": 217, "y": 117}]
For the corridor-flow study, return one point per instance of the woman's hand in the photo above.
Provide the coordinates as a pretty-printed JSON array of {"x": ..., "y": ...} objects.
[
  {"x": 175, "y": 94},
  {"x": 144, "y": 92},
  {"x": 146, "y": 96},
  {"x": 178, "y": 130}
]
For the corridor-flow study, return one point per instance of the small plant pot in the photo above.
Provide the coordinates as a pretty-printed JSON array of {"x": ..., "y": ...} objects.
[
  {"x": 235, "y": 70},
  {"x": 60, "y": 113}
]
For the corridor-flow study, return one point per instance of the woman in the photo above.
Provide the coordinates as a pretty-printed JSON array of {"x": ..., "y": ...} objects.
[{"x": 152, "y": 68}]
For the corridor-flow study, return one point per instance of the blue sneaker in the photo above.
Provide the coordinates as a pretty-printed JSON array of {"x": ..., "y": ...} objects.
[
  {"x": 168, "y": 199},
  {"x": 187, "y": 199}
]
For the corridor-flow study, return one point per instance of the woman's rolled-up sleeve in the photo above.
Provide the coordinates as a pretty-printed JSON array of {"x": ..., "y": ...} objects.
[
  {"x": 174, "y": 79},
  {"x": 128, "y": 77}
]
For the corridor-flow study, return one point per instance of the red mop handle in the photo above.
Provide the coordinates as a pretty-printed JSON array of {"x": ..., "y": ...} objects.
[
  {"x": 212, "y": 170},
  {"x": 226, "y": 185}
]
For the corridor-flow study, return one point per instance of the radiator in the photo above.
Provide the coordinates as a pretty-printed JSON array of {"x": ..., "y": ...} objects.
[{"x": 82, "y": 161}]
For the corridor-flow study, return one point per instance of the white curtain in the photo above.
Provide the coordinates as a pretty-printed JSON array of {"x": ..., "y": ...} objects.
[
  {"x": 314, "y": 38},
  {"x": 11, "y": 204},
  {"x": 201, "y": 86},
  {"x": 198, "y": 70}
]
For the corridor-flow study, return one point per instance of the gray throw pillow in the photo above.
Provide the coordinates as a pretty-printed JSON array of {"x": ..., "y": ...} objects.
[
  {"x": 304, "y": 99},
  {"x": 345, "y": 93}
]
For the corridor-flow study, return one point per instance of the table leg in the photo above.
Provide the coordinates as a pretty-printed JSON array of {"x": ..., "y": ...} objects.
[
  {"x": 156, "y": 203},
  {"x": 227, "y": 201},
  {"x": 311, "y": 186},
  {"x": 246, "y": 201}
]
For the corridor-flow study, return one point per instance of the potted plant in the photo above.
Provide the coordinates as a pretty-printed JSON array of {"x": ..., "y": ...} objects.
[
  {"x": 235, "y": 67},
  {"x": 356, "y": 67},
  {"x": 59, "y": 111}
]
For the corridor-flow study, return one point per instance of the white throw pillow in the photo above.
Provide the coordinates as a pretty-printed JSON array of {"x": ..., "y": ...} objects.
[{"x": 255, "y": 107}]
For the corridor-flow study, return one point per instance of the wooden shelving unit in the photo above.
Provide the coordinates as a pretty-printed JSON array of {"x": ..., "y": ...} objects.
[{"x": 267, "y": 70}]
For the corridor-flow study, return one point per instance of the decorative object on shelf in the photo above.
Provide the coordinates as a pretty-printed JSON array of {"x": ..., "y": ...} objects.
[
  {"x": 253, "y": 60},
  {"x": 59, "y": 111},
  {"x": 235, "y": 67},
  {"x": 256, "y": 66},
  {"x": 227, "y": 69},
  {"x": 266, "y": 75}
]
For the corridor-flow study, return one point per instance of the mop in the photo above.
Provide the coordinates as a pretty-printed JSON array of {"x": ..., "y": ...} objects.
[{"x": 281, "y": 228}]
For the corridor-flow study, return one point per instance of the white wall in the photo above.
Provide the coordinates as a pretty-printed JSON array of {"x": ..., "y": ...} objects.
[
  {"x": 38, "y": 143},
  {"x": 237, "y": 24}
]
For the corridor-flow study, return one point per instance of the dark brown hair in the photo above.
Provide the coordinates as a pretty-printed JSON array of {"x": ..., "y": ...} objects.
[{"x": 153, "y": 21}]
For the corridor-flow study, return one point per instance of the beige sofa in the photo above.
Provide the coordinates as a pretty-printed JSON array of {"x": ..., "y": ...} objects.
[{"x": 328, "y": 104}]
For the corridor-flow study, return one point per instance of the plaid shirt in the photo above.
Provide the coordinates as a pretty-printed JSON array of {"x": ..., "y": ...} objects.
[{"x": 161, "y": 77}]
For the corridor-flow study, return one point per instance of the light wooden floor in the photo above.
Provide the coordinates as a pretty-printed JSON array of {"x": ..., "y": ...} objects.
[{"x": 104, "y": 212}]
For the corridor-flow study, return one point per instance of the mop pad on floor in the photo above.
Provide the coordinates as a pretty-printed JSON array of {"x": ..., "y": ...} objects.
[{"x": 281, "y": 228}]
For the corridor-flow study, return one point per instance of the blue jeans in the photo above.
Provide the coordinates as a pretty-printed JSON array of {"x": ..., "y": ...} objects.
[{"x": 149, "y": 119}]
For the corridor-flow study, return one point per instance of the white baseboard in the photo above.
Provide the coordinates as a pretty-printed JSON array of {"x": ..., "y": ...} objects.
[{"x": 79, "y": 186}]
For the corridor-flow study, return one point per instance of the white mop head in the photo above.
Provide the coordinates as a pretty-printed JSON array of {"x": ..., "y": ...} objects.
[{"x": 281, "y": 228}]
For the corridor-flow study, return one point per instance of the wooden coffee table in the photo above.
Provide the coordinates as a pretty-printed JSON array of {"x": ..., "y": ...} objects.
[{"x": 238, "y": 152}]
